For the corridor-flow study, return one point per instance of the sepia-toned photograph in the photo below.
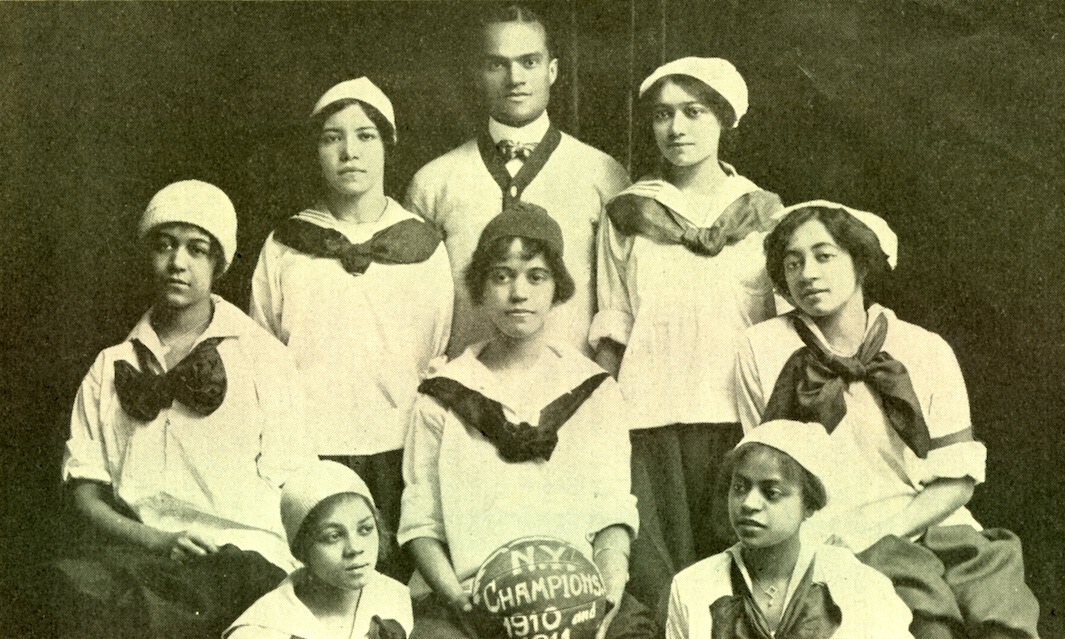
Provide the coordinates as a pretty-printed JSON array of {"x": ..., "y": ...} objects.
[{"x": 558, "y": 319}]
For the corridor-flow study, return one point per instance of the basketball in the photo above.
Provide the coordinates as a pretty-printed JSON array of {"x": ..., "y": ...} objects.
[{"x": 540, "y": 588}]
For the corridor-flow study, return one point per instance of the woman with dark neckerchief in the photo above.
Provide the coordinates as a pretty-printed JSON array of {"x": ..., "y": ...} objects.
[
  {"x": 360, "y": 290},
  {"x": 892, "y": 398},
  {"x": 679, "y": 278}
]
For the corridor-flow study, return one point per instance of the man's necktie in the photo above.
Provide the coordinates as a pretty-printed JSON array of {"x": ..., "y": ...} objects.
[{"x": 511, "y": 150}]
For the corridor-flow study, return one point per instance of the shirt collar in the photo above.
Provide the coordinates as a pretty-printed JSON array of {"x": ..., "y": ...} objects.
[
  {"x": 802, "y": 563},
  {"x": 874, "y": 311},
  {"x": 669, "y": 196},
  {"x": 355, "y": 231},
  {"x": 227, "y": 321},
  {"x": 567, "y": 371},
  {"x": 531, "y": 133},
  {"x": 283, "y": 611}
]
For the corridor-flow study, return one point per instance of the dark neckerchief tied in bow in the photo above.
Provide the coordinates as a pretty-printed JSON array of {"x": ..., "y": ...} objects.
[
  {"x": 513, "y": 187},
  {"x": 811, "y": 613},
  {"x": 633, "y": 214},
  {"x": 198, "y": 382},
  {"x": 515, "y": 442},
  {"x": 408, "y": 242},
  {"x": 511, "y": 150},
  {"x": 811, "y": 384}
]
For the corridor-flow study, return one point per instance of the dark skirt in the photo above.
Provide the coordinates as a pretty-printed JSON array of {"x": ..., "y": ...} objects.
[
  {"x": 674, "y": 470},
  {"x": 960, "y": 582},
  {"x": 383, "y": 474},
  {"x": 126, "y": 591}
]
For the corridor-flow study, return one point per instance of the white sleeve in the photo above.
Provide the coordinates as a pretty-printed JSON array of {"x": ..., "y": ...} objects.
[
  {"x": 614, "y": 502},
  {"x": 421, "y": 511},
  {"x": 84, "y": 457},
  {"x": 266, "y": 294},
  {"x": 677, "y": 621},
  {"x": 614, "y": 318},
  {"x": 443, "y": 290},
  {"x": 750, "y": 401},
  {"x": 419, "y": 197},
  {"x": 954, "y": 452},
  {"x": 613, "y": 180},
  {"x": 284, "y": 447},
  {"x": 869, "y": 607},
  {"x": 405, "y": 614}
]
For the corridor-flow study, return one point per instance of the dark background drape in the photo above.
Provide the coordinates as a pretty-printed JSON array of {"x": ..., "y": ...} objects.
[{"x": 943, "y": 116}]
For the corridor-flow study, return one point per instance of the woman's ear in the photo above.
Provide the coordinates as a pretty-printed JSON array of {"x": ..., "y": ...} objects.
[
  {"x": 860, "y": 273},
  {"x": 218, "y": 269}
]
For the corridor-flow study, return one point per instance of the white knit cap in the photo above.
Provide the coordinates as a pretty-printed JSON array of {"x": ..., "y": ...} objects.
[
  {"x": 889, "y": 242},
  {"x": 716, "y": 73},
  {"x": 309, "y": 487},
  {"x": 807, "y": 443},
  {"x": 197, "y": 203},
  {"x": 359, "y": 89}
]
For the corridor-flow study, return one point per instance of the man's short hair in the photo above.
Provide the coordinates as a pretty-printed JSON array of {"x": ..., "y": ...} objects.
[{"x": 512, "y": 12}]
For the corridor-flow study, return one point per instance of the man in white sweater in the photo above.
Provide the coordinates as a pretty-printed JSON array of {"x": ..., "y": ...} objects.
[{"x": 518, "y": 155}]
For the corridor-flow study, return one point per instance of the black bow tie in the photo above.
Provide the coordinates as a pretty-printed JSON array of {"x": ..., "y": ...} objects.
[
  {"x": 811, "y": 386},
  {"x": 511, "y": 150},
  {"x": 198, "y": 381},
  {"x": 407, "y": 242}
]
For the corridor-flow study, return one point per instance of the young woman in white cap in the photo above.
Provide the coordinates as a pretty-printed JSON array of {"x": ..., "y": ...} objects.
[
  {"x": 679, "y": 279},
  {"x": 773, "y": 584},
  {"x": 361, "y": 292},
  {"x": 180, "y": 438},
  {"x": 892, "y": 397},
  {"x": 517, "y": 436},
  {"x": 334, "y": 528}
]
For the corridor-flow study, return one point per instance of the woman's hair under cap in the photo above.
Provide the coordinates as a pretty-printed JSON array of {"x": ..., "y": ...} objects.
[
  {"x": 716, "y": 73},
  {"x": 526, "y": 220},
  {"x": 889, "y": 241},
  {"x": 363, "y": 90},
  {"x": 807, "y": 443},
  {"x": 197, "y": 203},
  {"x": 312, "y": 485}
]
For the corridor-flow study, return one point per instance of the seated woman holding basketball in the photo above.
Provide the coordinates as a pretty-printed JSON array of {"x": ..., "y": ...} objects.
[
  {"x": 334, "y": 528},
  {"x": 891, "y": 396},
  {"x": 516, "y": 437},
  {"x": 772, "y": 584}
]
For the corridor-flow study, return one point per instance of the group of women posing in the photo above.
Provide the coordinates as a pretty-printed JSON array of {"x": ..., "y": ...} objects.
[{"x": 840, "y": 432}]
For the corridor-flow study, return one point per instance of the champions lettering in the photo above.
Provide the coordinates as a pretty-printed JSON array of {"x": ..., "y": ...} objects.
[{"x": 538, "y": 589}]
